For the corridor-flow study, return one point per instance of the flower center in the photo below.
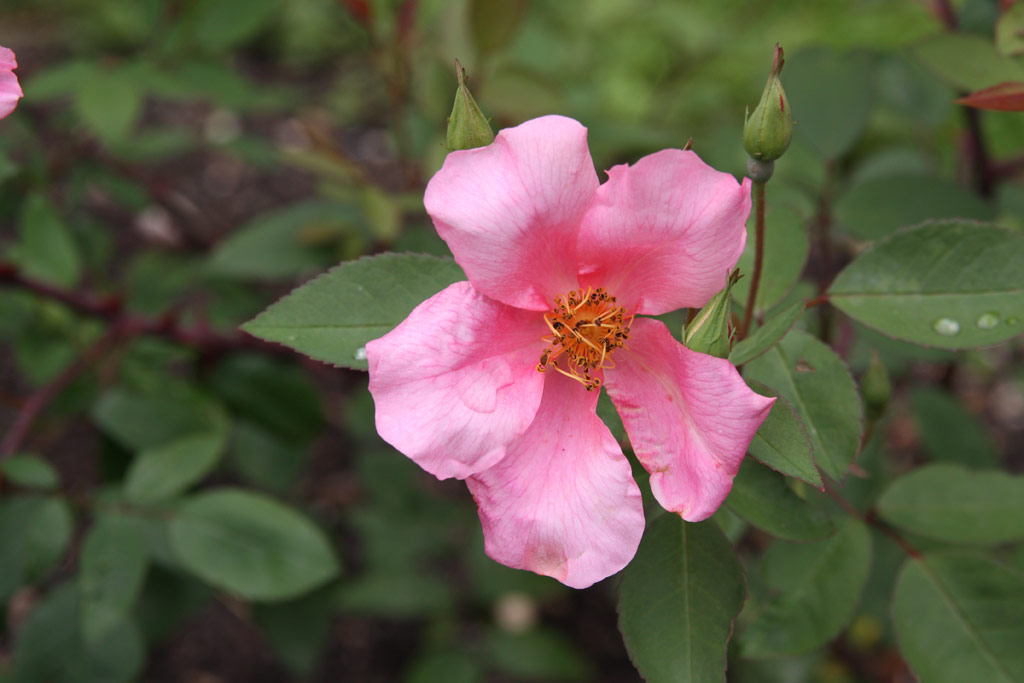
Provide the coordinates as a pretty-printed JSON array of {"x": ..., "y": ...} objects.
[{"x": 586, "y": 328}]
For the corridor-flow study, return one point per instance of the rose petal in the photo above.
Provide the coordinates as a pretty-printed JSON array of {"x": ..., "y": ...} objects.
[
  {"x": 664, "y": 233},
  {"x": 689, "y": 416},
  {"x": 510, "y": 212},
  {"x": 456, "y": 382},
  {"x": 10, "y": 91},
  {"x": 563, "y": 502}
]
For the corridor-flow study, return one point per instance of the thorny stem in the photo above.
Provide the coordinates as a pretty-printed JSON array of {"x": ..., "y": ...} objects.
[
  {"x": 109, "y": 308},
  {"x": 757, "y": 194}
]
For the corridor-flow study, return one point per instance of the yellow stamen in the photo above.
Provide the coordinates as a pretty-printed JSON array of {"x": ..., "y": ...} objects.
[{"x": 586, "y": 327}]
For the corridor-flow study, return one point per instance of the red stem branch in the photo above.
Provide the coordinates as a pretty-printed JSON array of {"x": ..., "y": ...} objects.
[{"x": 755, "y": 278}]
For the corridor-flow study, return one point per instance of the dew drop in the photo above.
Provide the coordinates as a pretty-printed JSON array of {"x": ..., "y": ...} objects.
[
  {"x": 947, "y": 327},
  {"x": 360, "y": 353},
  {"x": 292, "y": 337},
  {"x": 988, "y": 320}
]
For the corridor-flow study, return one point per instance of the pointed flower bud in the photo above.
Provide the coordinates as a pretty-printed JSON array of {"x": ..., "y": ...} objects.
[
  {"x": 709, "y": 331},
  {"x": 876, "y": 387},
  {"x": 768, "y": 131},
  {"x": 467, "y": 126}
]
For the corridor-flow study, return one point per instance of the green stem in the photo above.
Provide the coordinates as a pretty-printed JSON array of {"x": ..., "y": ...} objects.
[{"x": 755, "y": 280}]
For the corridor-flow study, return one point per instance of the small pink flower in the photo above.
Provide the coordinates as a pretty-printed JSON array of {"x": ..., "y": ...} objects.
[
  {"x": 10, "y": 91},
  {"x": 496, "y": 380}
]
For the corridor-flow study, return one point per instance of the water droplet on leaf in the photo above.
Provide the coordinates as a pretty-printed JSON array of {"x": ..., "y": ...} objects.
[
  {"x": 988, "y": 320},
  {"x": 947, "y": 327},
  {"x": 360, "y": 353}
]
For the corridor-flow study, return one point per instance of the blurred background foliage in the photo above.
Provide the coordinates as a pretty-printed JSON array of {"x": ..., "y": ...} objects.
[{"x": 185, "y": 162}]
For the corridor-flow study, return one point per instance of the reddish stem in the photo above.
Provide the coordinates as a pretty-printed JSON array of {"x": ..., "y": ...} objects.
[{"x": 755, "y": 279}]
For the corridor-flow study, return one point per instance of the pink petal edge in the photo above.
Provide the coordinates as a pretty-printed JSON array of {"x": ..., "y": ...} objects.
[
  {"x": 563, "y": 502},
  {"x": 456, "y": 382},
  {"x": 10, "y": 90},
  {"x": 510, "y": 212},
  {"x": 664, "y": 233},
  {"x": 690, "y": 418}
]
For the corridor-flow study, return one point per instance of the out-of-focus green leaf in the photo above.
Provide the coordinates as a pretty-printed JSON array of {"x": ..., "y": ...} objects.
[
  {"x": 949, "y": 432},
  {"x": 818, "y": 385},
  {"x": 678, "y": 599},
  {"x": 957, "y": 618},
  {"x": 297, "y": 629},
  {"x": 874, "y": 209},
  {"x": 451, "y": 666},
  {"x": 108, "y": 99},
  {"x": 221, "y": 24},
  {"x": 399, "y": 595},
  {"x": 764, "y": 337},
  {"x": 831, "y": 95},
  {"x": 332, "y": 317},
  {"x": 951, "y": 503},
  {"x": 140, "y": 421},
  {"x": 762, "y": 498},
  {"x": 950, "y": 284},
  {"x": 1010, "y": 31},
  {"x": 111, "y": 569},
  {"x": 50, "y": 647},
  {"x": 29, "y": 471},
  {"x": 277, "y": 395},
  {"x": 285, "y": 243},
  {"x": 162, "y": 472},
  {"x": 264, "y": 459},
  {"x": 782, "y": 442},
  {"x": 251, "y": 545},
  {"x": 966, "y": 61},
  {"x": 492, "y": 24},
  {"x": 543, "y": 654},
  {"x": 785, "y": 252},
  {"x": 46, "y": 249},
  {"x": 818, "y": 586}
]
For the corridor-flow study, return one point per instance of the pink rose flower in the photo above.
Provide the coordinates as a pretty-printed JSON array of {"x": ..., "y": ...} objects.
[
  {"x": 496, "y": 380},
  {"x": 10, "y": 91}
]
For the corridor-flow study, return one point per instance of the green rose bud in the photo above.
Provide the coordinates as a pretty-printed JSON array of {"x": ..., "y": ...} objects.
[
  {"x": 467, "y": 126},
  {"x": 709, "y": 331},
  {"x": 768, "y": 131}
]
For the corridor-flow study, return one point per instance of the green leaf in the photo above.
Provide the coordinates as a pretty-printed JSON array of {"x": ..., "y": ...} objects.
[
  {"x": 875, "y": 208},
  {"x": 109, "y": 100},
  {"x": 451, "y": 666},
  {"x": 967, "y": 61},
  {"x": 952, "y": 503},
  {"x": 785, "y": 252},
  {"x": 273, "y": 393},
  {"x": 958, "y": 618},
  {"x": 782, "y": 442},
  {"x": 762, "y": 498},
  {"x": 111, "y": 569},
  {"x": 141, "y": 421},
  {"x": 949, "y": 433},
  {"x": 251, "y": 546},
  {"x": 817, "y": 383},
  {"x": 492, "y": 24},
  {"x": 950, "y": 284},
  {"x": 766, "y": 336},
  {"x": 29, "y": 471},
  {"x": 818, "y": 585},
  {"x": 285, "y": 243},
  {"x": 220, "y": 24},
  {"x": 678, "y": 599},
  {"x": 542, "y": 653},
  {"x": 1010, "y": 31},
  {"x": 46, "y": 249},
  {"x": 831, "y": 95},
  {"x": 297, "y": 629},
  {"x": 332, "y": 317},
  {"x": 162, "y": 472},
  {"x": 400, "y": 595},
  {"x": 50, "y": 647}
]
